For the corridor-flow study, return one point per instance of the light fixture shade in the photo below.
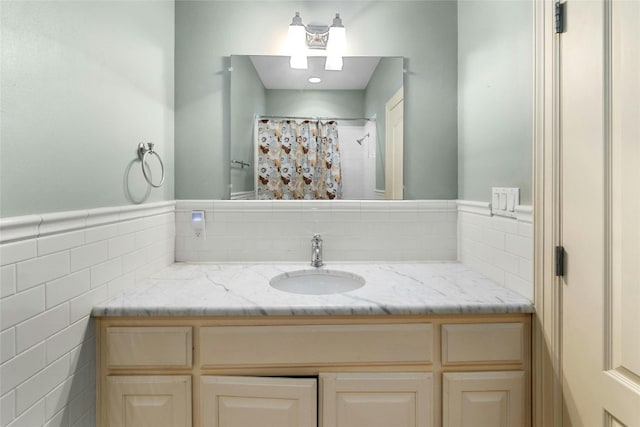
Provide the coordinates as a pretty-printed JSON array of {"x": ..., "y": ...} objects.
[
  {"x": 337, "y": 37},
  {"x": 297, "y": 43},
  {"x": 336, "y": 45},
  {"x": 333, "y": 63},
  {"x": 297, "y": 38},
  {"x": 337, "y": 40},
  {"x": 298, "y": 62}
]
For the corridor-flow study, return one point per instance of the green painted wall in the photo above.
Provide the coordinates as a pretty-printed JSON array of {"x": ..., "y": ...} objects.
[
  {"x": 495, "y": 98},
  {"x": 386, "y": 80},
  {"x": 316, "y": 103},
  {"x": 82, "y": 83},
  {"x": 248, "y": 98}
]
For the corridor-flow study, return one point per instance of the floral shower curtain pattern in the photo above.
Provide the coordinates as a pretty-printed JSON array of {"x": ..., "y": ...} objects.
[{"x": 298, "y": 161}]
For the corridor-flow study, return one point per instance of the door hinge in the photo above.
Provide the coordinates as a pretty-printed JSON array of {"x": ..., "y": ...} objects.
[
  {"x": 560, "y": 17},
  {"x": 559, "y": 261}
]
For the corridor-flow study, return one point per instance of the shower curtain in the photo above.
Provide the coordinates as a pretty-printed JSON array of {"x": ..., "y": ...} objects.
[{"x": 298, "y": 160}]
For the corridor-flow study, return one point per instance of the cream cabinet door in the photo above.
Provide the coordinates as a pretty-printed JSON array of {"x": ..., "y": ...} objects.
[
  {"x": 227, "y": 401},
  {"x": 376, "y": 399},
  {"x": 153, "y": 401},
  {"x": 484, "y": 399}
]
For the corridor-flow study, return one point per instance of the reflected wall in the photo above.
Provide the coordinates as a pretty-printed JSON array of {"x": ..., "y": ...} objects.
[{"x": 363, "y": 94}]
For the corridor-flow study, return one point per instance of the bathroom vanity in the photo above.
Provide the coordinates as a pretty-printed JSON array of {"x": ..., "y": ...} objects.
[{"x": 216, "y": 345}]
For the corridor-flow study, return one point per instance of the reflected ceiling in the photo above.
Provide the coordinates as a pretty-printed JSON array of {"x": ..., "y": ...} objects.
[{"x": 275, "y": 73}]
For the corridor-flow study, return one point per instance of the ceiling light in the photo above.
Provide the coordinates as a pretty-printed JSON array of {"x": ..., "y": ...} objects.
[{"x": 315, "y": 80}]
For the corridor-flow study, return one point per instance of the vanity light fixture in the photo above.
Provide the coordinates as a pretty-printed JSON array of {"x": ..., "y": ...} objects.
[{"x": 332, "y": 39}]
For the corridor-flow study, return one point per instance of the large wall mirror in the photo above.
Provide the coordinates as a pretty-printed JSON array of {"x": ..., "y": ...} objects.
[
  {"x": 467, "y": 92},
  {"x": 310, "y": 134}
]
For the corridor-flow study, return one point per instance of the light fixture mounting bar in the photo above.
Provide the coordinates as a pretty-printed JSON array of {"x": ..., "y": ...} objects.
[{"x": 317, "y": 36}]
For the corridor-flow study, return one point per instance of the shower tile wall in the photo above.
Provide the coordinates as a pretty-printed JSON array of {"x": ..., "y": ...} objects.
[
  {"x": 352, "y": 230},
  {"x": 53, "y": 269},
  {"x": 358, "y": 162}
]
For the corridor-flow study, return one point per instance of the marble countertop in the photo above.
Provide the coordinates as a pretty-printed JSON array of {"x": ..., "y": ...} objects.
[{"x": 191, "y": 289}]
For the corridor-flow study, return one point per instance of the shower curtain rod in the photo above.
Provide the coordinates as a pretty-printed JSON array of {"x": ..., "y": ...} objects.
[{"x": 315, "y": 118}]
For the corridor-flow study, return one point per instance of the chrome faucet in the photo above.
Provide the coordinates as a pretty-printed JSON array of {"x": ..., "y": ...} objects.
[{"x": 316, "y": 251}]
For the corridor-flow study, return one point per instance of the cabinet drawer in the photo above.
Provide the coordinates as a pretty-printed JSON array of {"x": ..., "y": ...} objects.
[
  {"x": 483, "y": 343},
  {"x": 149, "y": 346},
  {"x": 234, "y": 346}
]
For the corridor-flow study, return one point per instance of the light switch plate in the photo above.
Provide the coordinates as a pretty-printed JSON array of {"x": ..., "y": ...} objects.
[{"x": 504, "y": 201}]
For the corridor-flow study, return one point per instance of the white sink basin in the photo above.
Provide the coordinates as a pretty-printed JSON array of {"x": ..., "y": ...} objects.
[{"x": 317, "y": 282}]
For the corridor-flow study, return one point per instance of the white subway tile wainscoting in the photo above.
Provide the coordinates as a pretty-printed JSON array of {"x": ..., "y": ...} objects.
[
  {"x": 500, "y": 248},
  {"x": 53, "y": 269},
  {"x": 352, "y": 230}
]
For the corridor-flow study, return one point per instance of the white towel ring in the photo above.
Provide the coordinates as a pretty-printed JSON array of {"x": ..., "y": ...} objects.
[{"x": 143, "y": 151}]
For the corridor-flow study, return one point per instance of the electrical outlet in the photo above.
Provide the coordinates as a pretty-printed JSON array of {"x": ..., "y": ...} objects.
[{"x": 198, "y": 224}]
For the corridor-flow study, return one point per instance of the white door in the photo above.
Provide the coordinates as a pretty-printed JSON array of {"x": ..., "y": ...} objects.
[
  {"x": 394, "y": 146},
  {"x": 600, "y": 212}
]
